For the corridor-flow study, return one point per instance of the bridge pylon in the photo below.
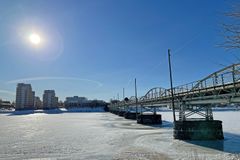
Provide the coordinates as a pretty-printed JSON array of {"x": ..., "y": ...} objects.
[
  {"x": 198, "y": 98},
  {"x": 149, "y": 116},
  {"x": 195, "y": 122}
]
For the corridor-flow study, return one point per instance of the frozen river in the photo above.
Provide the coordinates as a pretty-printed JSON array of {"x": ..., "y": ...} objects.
[{"x": 106, "y": 136}]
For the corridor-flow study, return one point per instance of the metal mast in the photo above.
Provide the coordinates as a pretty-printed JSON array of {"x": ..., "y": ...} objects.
[
  {"x": 170, "y": 73},
  {"x": 136, "y": 99}
]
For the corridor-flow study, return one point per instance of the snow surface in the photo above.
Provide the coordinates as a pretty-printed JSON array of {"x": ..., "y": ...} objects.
[{"x": 73, "y": 135}]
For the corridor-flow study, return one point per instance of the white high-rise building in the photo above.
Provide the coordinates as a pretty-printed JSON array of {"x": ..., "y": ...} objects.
[
  {"x": 49, "y": 99},
  {"x": 24, "y": 96}
]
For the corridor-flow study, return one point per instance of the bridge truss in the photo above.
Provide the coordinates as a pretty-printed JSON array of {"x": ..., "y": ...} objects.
[{"x": 195, "y": 98}]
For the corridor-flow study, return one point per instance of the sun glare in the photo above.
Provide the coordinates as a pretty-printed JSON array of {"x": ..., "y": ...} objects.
[{"x": 35, "y": 38}]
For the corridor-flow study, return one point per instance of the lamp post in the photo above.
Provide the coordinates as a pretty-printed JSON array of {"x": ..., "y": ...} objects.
[
  {"x": 172, "y": 94},
  {"x": 136, "y": 99}
]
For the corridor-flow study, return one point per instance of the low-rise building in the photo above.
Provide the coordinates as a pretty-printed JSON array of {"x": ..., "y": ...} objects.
[
  {"x": 75, "y": 101},
  {"x": 79, "y": 102},
  {"x": 6, "y": 104}
]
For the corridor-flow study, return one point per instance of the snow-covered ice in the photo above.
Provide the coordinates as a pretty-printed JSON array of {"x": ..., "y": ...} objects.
[{"x": 74, "y": 135}]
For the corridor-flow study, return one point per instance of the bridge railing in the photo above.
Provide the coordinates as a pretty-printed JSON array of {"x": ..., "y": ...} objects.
[
  {"x": 223, "y": 78},
  {"x": 155, "y": 93},
  {"x": 184, "y": 88},
  {"x": 217, "y": 80},
  {"x": 228, "y": 76}
]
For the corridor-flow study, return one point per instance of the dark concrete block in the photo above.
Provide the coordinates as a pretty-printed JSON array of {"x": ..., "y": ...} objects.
[
  {"x": 130, "y": 115},
  {"x": 198, "y": 130},
  {"x": 149, "y": 119}
]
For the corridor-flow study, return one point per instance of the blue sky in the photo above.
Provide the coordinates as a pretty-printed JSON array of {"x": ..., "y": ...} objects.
[{"x": 95, "y": 48}]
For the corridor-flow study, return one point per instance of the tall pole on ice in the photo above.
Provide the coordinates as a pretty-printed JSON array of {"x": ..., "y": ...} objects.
[
  {"x": 136, "y": 99},
  {"x": 170, "y": 73},
  {"x": 124, "y": 100}
]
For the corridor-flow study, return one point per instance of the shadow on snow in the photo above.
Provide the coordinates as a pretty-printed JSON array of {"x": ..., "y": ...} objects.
[{"x": 230, "y": 144}]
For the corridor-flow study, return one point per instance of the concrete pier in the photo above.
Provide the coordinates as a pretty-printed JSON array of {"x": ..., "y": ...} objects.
[
  {"x": 130, "y": 115},
  {"x": 198, "y": 130},
  {"x": 121, "y": 113},
  {"x": 149, "y": 118},
  {"x": 114, "y": 112}
]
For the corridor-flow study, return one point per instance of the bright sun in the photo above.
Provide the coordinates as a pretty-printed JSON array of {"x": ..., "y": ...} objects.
[{"x": 35, "y": 38}]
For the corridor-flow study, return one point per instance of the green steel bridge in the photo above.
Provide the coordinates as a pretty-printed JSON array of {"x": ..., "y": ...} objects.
[{"x": 195, "y": 98}]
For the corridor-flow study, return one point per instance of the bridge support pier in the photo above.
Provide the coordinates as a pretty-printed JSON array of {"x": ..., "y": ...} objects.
[
  {"x": 209, "y": 114},
  {"x": 182, "y": 113},
  {"x": 149, "y": 118},
  {"x": 130, "y": 115},
  {"x": 197, "y": 128},
  {"x": 121, "y": 112}
]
